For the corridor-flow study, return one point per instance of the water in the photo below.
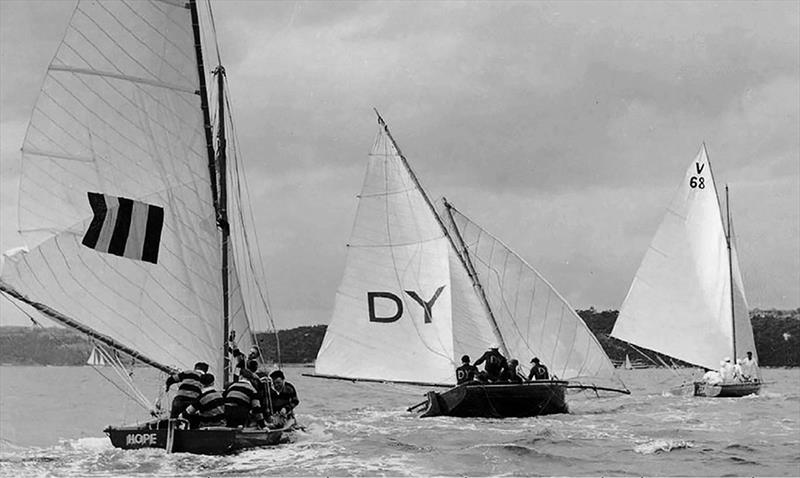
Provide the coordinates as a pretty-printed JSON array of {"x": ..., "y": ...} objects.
[{"x": 51, "y": 421}]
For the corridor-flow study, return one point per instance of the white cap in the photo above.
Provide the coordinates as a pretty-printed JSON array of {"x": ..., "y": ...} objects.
[{"x": 494, "y": 346}]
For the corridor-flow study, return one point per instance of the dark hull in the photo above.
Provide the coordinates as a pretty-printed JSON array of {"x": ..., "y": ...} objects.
[
  {"x": 203, "y": 441},
  {"x": 702, "y": 389},
  {"x": 504, "y": 400}
]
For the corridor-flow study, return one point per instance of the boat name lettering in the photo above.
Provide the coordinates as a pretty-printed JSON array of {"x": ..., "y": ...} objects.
[
  {"x": 141, "y": 439},
  {"x": 427, "y": 305}
]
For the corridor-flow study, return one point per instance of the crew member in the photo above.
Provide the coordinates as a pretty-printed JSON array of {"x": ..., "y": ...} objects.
[
  {"x": 189, "y": 387},
  {"x": 208, "y": 410},
  {"x": 495, "y": 363},
  {"x": 510, "y": 373},
  {"x": 241, "y": 402},
  {"x": 283, "y": 396},
  {"x": 538, "y": 370},
  {"x": 466, "y": 372},
  {"x": 749, "y": 368}
]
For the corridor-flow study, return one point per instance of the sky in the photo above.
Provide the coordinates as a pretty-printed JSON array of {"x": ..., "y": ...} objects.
[{"x": 561, "y": 127}]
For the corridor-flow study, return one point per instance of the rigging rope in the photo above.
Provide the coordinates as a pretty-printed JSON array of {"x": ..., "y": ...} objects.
[{"x": 134, "y": 394}]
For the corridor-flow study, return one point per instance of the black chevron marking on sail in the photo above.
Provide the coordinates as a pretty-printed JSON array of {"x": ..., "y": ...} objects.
[{"x": 98, "y": 203}]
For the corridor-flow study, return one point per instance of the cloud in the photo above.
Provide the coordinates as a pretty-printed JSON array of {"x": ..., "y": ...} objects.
[{"x": 560, "y": 127}]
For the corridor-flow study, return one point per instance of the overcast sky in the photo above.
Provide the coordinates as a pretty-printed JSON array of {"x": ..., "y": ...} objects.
[{"x": 561, "y": 127}]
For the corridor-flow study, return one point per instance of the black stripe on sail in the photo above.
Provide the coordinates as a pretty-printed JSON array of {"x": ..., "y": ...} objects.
[
  {"x": 98, "y": 203},
  {"x": 152, "y": 237},
  {"x": 123, "y": 225}
]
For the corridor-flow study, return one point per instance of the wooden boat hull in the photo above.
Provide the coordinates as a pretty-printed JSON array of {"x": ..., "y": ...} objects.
[
  {"x": 203, "y": 441},
  {"x": 499, "y": 400},
  {"x": 702, "y": 389}
]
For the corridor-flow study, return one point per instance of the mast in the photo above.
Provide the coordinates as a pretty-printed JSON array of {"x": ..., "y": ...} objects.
[
  {"x": 730, "y": 268},
  {"x": 223, "y": 217},
  {"x": 475, "y": 282},
  {"x": 215, "y": 160}
]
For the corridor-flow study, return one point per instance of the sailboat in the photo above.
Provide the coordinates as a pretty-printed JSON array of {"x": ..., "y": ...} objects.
[
  {"x": 133, "y": 239},
  {"x": 627, "y": 364},
  {"x": 687, "y": 299},
  {"x": 424, "y": 285},
  {"x": 96, "y": 358}
]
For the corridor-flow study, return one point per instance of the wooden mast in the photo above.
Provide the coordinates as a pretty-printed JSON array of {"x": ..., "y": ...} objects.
[
  {"x": 223, "y": 217},
  {"x": 730, "y": 268},
  {"x": 216, "y": 161}
]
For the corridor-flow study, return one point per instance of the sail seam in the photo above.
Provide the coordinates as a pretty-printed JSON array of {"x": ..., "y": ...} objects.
[{"x": 119, "y": 76}]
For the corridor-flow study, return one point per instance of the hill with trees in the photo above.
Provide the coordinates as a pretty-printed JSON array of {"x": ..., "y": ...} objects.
[{"x": 777, "y": 336}]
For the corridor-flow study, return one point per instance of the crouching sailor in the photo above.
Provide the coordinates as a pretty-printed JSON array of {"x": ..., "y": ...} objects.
[
  {"x": 283, "y": 397},
  {"x": 188, "y": 388},
  {"x": 241, "y": 400},
  {"x": 208, "y": 410}
]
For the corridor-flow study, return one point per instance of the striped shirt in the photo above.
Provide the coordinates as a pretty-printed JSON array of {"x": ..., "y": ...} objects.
[
  {"x": 189, "y": 383},
  {"x": 210, "y": 406}
]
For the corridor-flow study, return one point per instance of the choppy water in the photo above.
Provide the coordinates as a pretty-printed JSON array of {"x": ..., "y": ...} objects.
[{"x": 51, "y": 420}]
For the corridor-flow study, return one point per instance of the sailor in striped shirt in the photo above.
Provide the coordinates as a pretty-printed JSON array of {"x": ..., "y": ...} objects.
[
  {"x": 208, "y": 410},
  {"x": 188, "y": 387},
  {"x": 241, "y": 401}
]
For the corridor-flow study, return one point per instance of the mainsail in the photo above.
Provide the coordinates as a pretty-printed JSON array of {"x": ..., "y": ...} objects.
[
  {"x": 121, "y": 114},
  {"x": 409, "y": 307},
  {"x": 680, "y": 302}
]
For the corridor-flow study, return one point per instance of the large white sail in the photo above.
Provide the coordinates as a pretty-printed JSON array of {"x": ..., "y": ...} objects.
[
  {"x": 392, "y": 317},
  {"x": 679, "y": 303},
  {"x": 534, "y": 320},
  {"x": 119, "y": 114}
]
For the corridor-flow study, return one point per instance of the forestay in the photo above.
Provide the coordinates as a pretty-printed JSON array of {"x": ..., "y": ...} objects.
[
  {"x": 679, "y": 303},
  {"x": 120, "y": 114},
  {"x": 532, "y": 317}
]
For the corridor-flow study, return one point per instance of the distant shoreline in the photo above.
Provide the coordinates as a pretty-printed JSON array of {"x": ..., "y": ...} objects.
[{"x": 776, "y": 334}]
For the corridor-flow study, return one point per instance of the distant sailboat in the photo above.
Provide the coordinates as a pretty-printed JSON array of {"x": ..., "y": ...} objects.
[
  {"x": 687, "y": 299},
  {"x": 423, "y": 285},
  {"x": 96, "y": 358},
  {"x": 627, "y": 364},
  {"x": 123, "y": 200}
]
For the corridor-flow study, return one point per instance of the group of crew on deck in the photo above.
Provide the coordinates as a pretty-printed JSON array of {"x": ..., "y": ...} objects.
[
  {"x": 497, "y": 369},
  {"x": 254, "y": 398},
  {"x": 744, "y": 370}
]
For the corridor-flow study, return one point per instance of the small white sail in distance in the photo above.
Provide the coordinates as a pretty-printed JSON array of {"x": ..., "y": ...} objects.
[
  {"x": 96, "y": 358},
  {"x": 679, "y": 303}
]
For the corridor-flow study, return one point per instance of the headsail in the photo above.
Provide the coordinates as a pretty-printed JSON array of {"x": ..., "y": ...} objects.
[
  {"x": 679, "y": 303},
  {"x": 534, "y": 319},
  {"x": 119, "y": 114}
]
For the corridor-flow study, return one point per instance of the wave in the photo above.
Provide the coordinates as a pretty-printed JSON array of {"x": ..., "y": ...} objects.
[{"x": 662, "y": 446}]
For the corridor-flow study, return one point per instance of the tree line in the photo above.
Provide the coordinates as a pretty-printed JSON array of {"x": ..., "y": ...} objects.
[{"x": 776, "y": 332}]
